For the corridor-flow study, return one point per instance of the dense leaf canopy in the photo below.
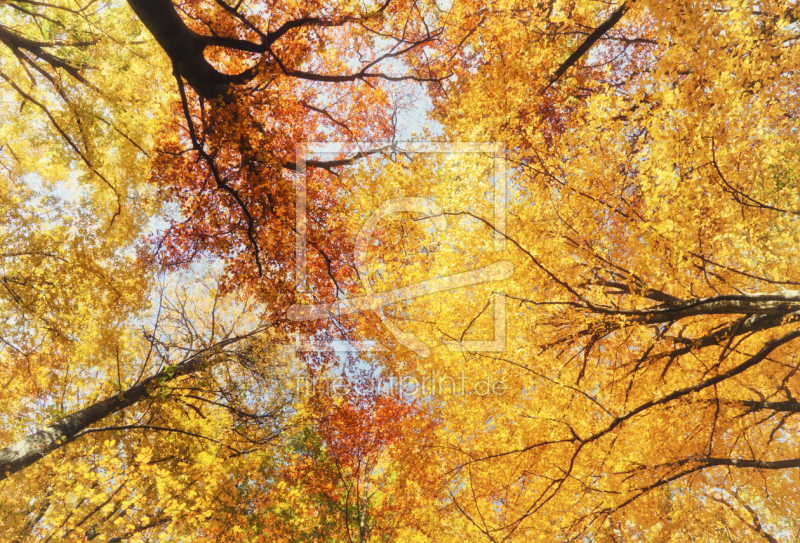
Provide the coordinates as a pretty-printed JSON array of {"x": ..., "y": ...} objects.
[{"x": 558, "y": 240}]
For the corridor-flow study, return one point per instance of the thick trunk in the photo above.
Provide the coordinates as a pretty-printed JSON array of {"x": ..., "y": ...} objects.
[
  {"x": 36, "y": 446},
  {"x": 785, "y": 406},
  {"x": 183, "y": 46},
  {"x": 781, "y": 303}
]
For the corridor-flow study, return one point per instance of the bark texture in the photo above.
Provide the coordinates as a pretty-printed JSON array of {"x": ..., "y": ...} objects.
[{"x": 34, "y": 447}]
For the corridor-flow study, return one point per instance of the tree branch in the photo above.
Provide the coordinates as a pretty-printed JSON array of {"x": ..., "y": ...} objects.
[
  {"x": 31, "y": 449},
  {"x": 587, "y": 44}
]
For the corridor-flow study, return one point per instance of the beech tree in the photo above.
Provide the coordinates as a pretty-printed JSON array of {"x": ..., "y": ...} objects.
[
  {"x": 93, "y": 92},
  {"x": 651, "y": 222},
  {"x": 641, "y": 377}
]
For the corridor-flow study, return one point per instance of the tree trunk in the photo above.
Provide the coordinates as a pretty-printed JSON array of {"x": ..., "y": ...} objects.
[
  {"x": 183, "y": 46},
  {"x": 33, "y": 448}
]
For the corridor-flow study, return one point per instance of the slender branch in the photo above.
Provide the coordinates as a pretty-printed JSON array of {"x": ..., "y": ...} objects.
[{"x": 587, "y": 44}]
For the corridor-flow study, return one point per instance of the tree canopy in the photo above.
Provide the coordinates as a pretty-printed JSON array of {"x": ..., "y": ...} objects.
[{"x": 401, "y": 270}]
